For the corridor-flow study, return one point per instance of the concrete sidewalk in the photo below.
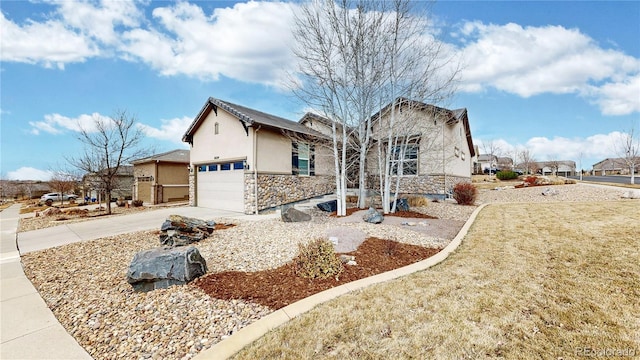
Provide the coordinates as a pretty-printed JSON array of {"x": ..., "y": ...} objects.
[{"x": 28, "y": 328}]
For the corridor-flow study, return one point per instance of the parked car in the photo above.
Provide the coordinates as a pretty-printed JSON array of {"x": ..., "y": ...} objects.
[
  {"x": 51, "y": 197},
  {"x": 493, "y": 171}
]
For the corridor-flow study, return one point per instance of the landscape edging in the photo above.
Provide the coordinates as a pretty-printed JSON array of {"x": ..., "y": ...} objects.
[{"x": 252, "y": 332}]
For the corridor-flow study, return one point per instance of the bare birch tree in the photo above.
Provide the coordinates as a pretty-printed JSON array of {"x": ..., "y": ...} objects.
[
  {"x": 628, "y": 148},
  {"x": 114, "y": 143},
  {"x": 527, "y": 160}
]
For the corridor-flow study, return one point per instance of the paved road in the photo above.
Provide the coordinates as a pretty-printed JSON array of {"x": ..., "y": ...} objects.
[{"x": 610, "y": 179}]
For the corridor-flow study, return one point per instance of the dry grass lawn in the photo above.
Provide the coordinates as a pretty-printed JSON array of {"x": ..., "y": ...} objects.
[{"x": 528, "y": 282}]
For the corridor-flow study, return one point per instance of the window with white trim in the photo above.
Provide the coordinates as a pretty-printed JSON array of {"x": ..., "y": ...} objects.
[{"x": 404, "y": 159}]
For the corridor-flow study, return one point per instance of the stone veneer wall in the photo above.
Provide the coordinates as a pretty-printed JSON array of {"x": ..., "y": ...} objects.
[
  {"x": 275, "y": 190},
  {"x": 192, "y": 188},
  {"x": 421, "y": 184}
]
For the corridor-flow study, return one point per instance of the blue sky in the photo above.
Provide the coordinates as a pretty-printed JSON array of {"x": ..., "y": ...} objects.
[{"x": 558, "y": 78}]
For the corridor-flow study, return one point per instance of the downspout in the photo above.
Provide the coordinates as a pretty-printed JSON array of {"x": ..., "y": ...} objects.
[{"x": 255, "y": 167}]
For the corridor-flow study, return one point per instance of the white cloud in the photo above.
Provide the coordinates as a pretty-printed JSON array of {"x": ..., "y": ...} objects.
[
  {"x": 58, "y": 124},
  {"x": 49, "y": 43},
  {"x": 248, "y": 42},
  {"x": 171, "y": 130},
  {"x": 527, "y": 61},
  {"x": 29, "y": 173},
  {"x": 99, "y": 22}
]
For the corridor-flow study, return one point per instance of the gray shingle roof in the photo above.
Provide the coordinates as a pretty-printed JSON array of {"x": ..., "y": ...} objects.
[{"x": 177, "y": 156}]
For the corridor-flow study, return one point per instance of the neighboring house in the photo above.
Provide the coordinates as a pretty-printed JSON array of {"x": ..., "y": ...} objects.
[
  {"x": 505, "y": 163},
  {"x": 92, "y": 187},
  {"x": 613, "y": 166},
  {"x": 559, "y": 167},
  {"x": 245, "y": 160},
  {"x": 487, "y": 161},
  {"x": 438, "y": 148},
  {"x": 162, "y": 178}
]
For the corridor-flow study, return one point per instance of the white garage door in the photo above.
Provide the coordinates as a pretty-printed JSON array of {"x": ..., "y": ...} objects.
[{"x": 220, "y": 186}]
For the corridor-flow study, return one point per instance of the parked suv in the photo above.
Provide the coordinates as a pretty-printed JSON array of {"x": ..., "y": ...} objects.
[{"x": 51, "y": 197}]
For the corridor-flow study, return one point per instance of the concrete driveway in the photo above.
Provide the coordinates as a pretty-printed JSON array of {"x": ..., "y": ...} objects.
[{"x": 88, "y": 230}]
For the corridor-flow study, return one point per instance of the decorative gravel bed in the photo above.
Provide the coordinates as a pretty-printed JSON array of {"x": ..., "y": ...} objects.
[{"x": 85, "y": 283}]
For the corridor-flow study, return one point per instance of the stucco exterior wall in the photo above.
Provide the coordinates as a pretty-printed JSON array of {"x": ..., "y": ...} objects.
[
  {"x": 273, "y": 152},
  {"x": 231, "y": 142},
  {"x": 172, "y": 174}
]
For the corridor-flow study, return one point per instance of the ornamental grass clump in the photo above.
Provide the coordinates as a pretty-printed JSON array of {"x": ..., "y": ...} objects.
[
  {"x": 317, "y": 260},
  {"x": 465, "y": 193}
]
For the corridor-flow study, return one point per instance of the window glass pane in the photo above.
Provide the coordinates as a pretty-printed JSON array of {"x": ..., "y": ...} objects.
[
  {"x": 303, "y": 167},
  {"x": 213, "y": 167},
  {"x": 202, "y": 168},
  {"x": 225, "y": 166},
  {"x": 303, "y": 151},
  {"x": 238, "y": 165}
]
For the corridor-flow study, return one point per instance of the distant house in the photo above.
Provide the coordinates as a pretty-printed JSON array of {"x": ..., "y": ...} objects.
[
  {"x": 613, "y": 166},
  {"x": 93, "y": 188},
  {"x": 487, "y": 161},
  {"x": 505, "y": 163},
  {"x": 559, "y": 167},
  {"x": 162, "y": 178}
]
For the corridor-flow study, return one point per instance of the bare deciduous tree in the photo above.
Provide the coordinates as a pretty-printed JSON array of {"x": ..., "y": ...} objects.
[
  {"x": 116, "y": 142},
  {"x": 63, "y": 183},
  {"x": 628, "y": 148},
  {"x": 528, "y": 161}
]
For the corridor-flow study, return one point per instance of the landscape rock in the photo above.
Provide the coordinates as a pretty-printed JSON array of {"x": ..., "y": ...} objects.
[
  {"x": 373, "y": 216},
  {"x": 328, "y": 206},
  {"x": 163, "y": 267},
  {"x": 631, "y": 194},
  {"x": 181, "y": 230},
  {"x": 401, "y": 204},
  {"x": 292, "y": 214},
  {"x": 50, "y": 212},
  {"x": 550, "y": 192}
]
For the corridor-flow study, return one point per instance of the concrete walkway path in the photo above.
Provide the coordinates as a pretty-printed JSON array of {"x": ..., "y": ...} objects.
[{"x": 28, "y": 328}]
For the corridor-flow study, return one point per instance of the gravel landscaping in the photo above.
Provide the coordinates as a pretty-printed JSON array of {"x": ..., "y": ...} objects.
[{"x": 85, "y": 283}]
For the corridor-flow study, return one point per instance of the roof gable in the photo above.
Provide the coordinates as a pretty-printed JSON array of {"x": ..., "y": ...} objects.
[{"x": 247, "y": 116}]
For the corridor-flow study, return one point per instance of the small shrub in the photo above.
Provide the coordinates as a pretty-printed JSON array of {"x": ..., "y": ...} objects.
[
  {"x": 317, "y": 260},
  {"x": 136, "y": 203},
  {"x": 570, "y": 181},
  {"x": 506, "y": 175},
  {"x": 417, "y": 201},
  {"x": 351, "y": 199},
  {"x": 465, "y": 193}
]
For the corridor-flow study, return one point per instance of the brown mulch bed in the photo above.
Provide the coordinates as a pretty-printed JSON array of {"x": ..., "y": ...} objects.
[
  {"x": 277, "y": 288},
  {"x": 406, "y": 214}
]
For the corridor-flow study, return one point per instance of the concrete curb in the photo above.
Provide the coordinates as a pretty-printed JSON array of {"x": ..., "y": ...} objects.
[{"x": 245, "y": 336}]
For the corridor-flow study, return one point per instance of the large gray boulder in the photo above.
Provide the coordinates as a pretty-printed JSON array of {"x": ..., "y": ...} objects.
[
  {"x": 373, "y": 216},
  {"x": 163, "y": 267},
  {"x": 291, "y": 214},
  {"x": 180, "y": 230},
  {"x": 631, "y": 194},
  {"x": 401, "y": 204},
  {"x": 328, "y": 206}
]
